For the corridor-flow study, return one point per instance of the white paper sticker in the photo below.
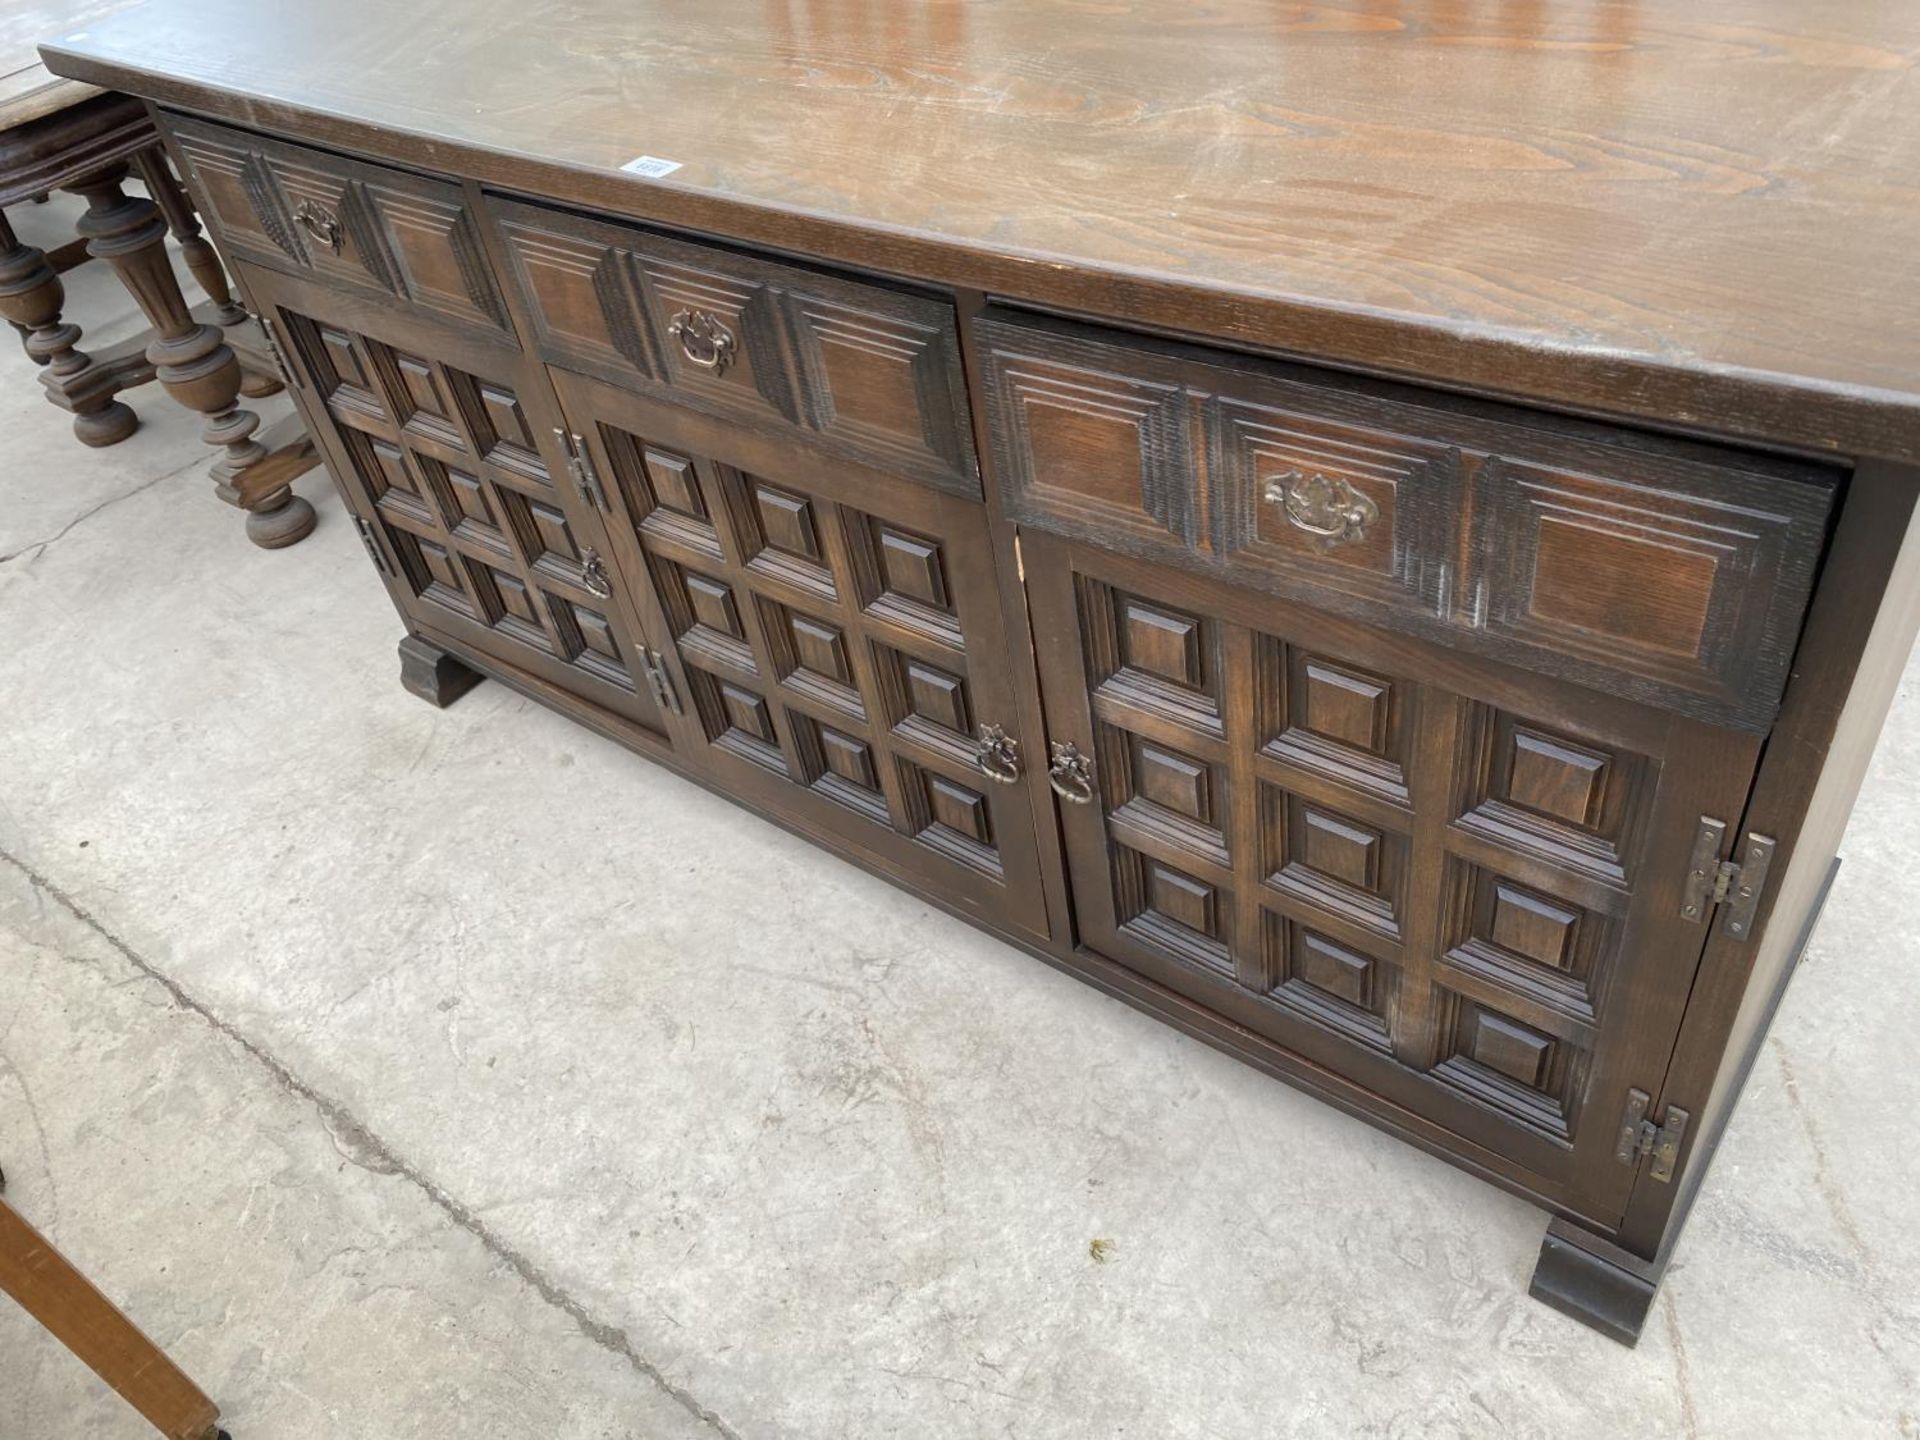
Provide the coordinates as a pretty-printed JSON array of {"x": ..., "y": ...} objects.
[{"x": 651, "y": 166}]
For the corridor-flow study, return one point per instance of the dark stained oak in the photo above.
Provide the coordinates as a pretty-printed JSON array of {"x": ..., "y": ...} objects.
[
  {"x": 1065, "y": 459},
  {"x": 1691, "y": 213}
]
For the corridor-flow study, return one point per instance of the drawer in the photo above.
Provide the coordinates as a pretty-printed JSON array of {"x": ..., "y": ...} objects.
[
  {"x": 860, "y": 369},
  {"x": 368, "y": 227},
  {"x": 1668, "y": 572}
]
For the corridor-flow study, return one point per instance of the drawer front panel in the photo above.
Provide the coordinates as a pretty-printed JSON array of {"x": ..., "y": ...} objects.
[
  {"x": 443, "y": 446},
  {"x": 1673, "y": 573},
  {"x": 1451, "y": 885},
  {"x": 859, "y": 369},
  {"x": 366, "y": 226}
]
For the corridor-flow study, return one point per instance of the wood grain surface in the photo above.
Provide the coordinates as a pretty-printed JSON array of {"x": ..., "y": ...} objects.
[{"x": 1701, "y": 212}]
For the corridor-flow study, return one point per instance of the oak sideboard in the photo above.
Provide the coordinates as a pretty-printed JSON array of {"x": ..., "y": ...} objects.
[{"x": 1382, "y": 536}]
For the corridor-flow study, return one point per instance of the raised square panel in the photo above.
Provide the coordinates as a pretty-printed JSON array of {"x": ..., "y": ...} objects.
[
  {"x": 1556, "y": 777},
  {"x": 389, "y": 473},
  {"x": 937, "y": 697},
  {"x": 848, "y": 757},
  {"x": 949, "y": 817},
  {"x": 342, "y": 352},
  {"x": 786, "y": 521},
  {"x": 1332, "y": 861},
  {"x": 747, "y": 713},
  {"x": 596, "y": 634},
  {"x": 1177, "y": 782},
  {"x": 1512, "y": 1067},
  {"x": 1162, "y": 642},
  {"x": 1569, "y": 801},
  {"x": 424, "y": 394},
  {"x": 1547, "y": 955},
  {"x": 1333, "y": 969},
  {"x": 911, "y": 566},
  {"x": 1333, "y": 985},
  {"x": 516, "y": 601},
  {"x": 958, "y": 808},
  {"x": 1335, "y": 719},
  {"x": 1183, "y": 899},
  {"x": 713, "y": 605},
  {"x": 552, "y": 534},
  {"x": 819, "y": 647},
  {"x": 1338, "y": 848},
  {"x": 672, "y": 481},
  {"x": 470, "y": 500},
  {"x": 506, "y": 421},
  {"x": 1343, "y": 705},
  {"x": 1532, "y": 925},
  {"x": 1508, "y": 1048},
  {"x": 445, "y": 580}
]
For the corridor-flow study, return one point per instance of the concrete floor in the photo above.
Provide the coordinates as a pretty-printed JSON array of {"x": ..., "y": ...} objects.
[{"x": 370, "y": 1057}]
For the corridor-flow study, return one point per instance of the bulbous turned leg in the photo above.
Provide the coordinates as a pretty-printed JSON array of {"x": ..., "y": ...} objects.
[
  {"x": 191, "y": 360},
  {"x": 31, "y": 296},
  {"x": 202, "y": 259}
]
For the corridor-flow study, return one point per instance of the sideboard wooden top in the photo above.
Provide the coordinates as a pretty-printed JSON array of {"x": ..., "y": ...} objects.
[{"x": 1705, "y": 214}]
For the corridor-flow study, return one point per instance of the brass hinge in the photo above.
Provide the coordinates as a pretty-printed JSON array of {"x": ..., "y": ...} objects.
[
  {"x": 586, "y": 479},
  {"x": 273, "y": 348},
  {"x": 1640, "y": 1137},
  {"x": 661, "y": 680},
  {"x": 1712, "y": 881},
  {"x": 367, "y": 539}
]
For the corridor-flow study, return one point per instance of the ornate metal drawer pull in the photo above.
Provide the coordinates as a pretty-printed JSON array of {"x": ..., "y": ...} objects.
[
  {"x": 1327, "y": 508},
  {"x": 1071, "y": 774},
  {"x": 704, "y": 340},
  {"x": 593, "y": 575},
  {"x": 998, "y": 757},
  {"x": 320, "y": 224}
]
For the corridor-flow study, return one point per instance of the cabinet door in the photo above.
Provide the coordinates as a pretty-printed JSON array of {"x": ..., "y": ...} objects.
[
  {"x": 836, "y": 636},
  {"x": 445, "y": 447},
  {"x": 1453, "y": 885}
]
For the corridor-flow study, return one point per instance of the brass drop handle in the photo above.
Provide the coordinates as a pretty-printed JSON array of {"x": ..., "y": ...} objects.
[
  {"x": 1071, "y": 774},
  {"x": 704, "y": 339},
  {"x": 593, "y": 575},
  {"x": 1328, "y": 508},
  {"x": 320, "y": 223},
  {"x": 998, "y": 757}
]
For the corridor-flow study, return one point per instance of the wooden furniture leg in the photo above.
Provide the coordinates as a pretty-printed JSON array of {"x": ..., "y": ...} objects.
[
  {"x": 202, "y": 260},
  {"x": 31, "y": 296},
  {"x": 65, "y": 1302},
  {"x": 191, "y": 359}
]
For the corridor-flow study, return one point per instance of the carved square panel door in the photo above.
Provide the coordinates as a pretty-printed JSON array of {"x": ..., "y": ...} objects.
[
  {"x": 836, "y": 642},
  {"x": 445, "y": 446},
  {"x": 1445, "y": 884}
]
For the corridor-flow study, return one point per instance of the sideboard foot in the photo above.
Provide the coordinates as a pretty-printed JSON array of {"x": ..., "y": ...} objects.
[
  {"x": 432, "y": 674},
  {"x": 1597, "y": 1283}
]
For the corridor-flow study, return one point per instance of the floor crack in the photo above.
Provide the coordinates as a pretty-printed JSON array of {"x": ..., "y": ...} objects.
[
  {"x": 39, "y": 547},
  {"x": 367, "y": 1149}
]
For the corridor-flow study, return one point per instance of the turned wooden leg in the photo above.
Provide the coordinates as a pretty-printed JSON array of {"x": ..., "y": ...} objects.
[
  {"x": 31, "y": 296},
  {"x": 202, "y": 260},
  {"x": 431, "y": 673},
  {"x": 191, "y": 360},
  {"x": 48, "y": 1288}
]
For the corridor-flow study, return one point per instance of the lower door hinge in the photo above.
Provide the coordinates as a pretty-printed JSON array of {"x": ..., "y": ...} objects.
[
  {"x": 661, "y": 681},
  {"x": 1712, "y": 881},
  {"x": 273, "y": 348},
  {"x": 1640, "y": 1137},
  {"x": 367, "y": 538}
]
